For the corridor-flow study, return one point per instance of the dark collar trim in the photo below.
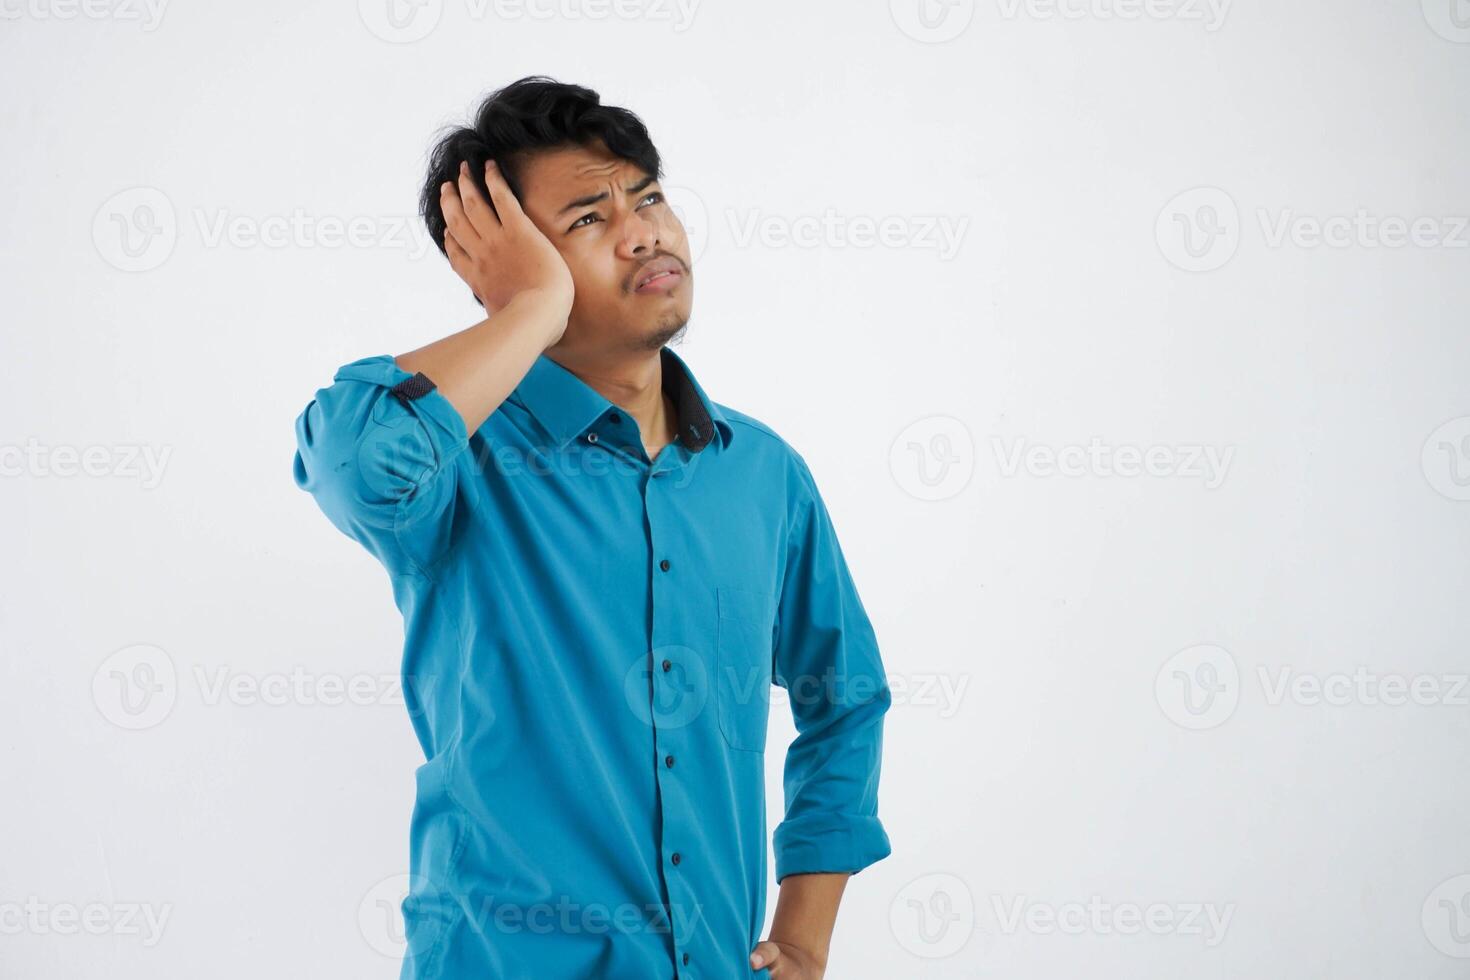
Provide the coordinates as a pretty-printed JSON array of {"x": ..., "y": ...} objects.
[{"x": 696, "y": 428}]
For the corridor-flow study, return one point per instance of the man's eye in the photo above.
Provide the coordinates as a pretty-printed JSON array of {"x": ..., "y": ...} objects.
[{"x": 655, "y": 197}]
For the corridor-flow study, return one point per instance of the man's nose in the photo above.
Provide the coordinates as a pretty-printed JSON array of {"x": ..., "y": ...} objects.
[{"x": 639, "y": 235}]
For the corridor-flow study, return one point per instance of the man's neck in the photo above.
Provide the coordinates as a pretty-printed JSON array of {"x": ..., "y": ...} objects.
[{"x": 634, "y": 384}]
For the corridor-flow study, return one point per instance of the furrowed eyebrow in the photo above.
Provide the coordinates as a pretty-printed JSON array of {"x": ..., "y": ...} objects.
[{"x": 583, "y": 202}]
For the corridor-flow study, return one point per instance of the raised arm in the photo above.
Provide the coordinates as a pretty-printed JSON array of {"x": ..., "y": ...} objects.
[
  {"x": 380, "y": 448},
  {"x": 521, "y": 280}
]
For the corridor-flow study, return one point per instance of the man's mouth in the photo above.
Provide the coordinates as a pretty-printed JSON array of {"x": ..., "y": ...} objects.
[
  {"x": 660, "y": 274},
  {"x": 656, "y": 278}
]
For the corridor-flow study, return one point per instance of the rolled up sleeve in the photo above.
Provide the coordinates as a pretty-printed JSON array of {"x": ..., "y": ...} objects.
[
  {"x": 827, "y": 659},
  {"x": 377, "y": 450}
]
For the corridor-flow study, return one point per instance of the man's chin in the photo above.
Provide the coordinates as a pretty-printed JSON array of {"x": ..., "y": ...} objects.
[{"x": 666, "y": 332}]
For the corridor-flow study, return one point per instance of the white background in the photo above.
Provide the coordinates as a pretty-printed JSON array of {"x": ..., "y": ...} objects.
[{"x": 1057, "y": 773}]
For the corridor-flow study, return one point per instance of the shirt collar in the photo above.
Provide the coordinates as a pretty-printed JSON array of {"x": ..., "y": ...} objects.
[{"x": 566, "y": 405}]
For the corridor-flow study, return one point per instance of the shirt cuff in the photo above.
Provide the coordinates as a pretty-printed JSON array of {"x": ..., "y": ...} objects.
[
  {"x": 416, "y": 390},
  {"x": 848, "y": 844}
]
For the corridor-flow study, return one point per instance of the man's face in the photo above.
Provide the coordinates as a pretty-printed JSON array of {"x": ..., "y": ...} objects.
[{"x": 609, "y": 220}]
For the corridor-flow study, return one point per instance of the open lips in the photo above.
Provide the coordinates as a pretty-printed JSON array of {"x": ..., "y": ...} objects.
[{"x": 657, "y": 273}]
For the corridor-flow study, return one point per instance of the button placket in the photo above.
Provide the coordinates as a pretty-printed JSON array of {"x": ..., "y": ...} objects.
[
  {"x": 616, "y": 433},
  {"x": 672, "y": 801}
]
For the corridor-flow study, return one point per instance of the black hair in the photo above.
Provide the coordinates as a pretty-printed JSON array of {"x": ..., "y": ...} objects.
[{"x": 533, "y": 113}]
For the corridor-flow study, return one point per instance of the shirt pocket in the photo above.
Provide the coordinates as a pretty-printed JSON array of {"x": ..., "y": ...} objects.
[{"x": 745, "y": 644}]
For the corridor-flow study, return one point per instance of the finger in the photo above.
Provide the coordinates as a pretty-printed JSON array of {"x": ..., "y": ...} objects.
[
  {"x": 506, "y": 205},
  {"x": 764, "y": 954},
  {"x": 458, "y": 257},
  {"x": 462, "y": 264},
  {"x": 476, "y": 208},
  {"x": 455, "y": 221}
]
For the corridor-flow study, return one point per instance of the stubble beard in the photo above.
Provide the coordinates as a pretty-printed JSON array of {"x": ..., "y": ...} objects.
[{"x": 669, "y": 328}]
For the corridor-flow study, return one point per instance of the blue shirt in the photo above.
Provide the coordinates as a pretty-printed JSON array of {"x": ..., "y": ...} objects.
[{"x": 590, "y": 643}]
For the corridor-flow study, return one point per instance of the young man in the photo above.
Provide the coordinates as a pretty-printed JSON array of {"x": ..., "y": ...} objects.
[{"x": 601, "y": 573}]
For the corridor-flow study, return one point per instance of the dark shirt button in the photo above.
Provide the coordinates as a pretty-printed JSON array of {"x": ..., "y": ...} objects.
[
  {"x": 669, "y": 761},
  {"x": 668, "y": 665},
  {"x": 674, "y": 857},
  {"x": 664, "y": 564},
  {"x": 686, "y": 959},
  {"x": 592, "y": 437},
  {"x": 614, "y": 418}
]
